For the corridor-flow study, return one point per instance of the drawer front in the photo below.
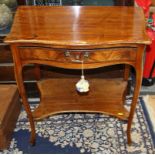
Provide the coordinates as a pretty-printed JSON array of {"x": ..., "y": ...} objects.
[
  {"x": 76, "y": 56},
  {"x": 33, "y": 53}
]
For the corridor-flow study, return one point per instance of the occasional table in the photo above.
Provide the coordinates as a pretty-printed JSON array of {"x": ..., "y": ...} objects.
[{"x": 65, "y": 36}]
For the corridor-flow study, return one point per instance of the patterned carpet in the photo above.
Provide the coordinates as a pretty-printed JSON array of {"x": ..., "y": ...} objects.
[
  {"x": 148, "y": 104},
  {"x": 83, "y": 133}
]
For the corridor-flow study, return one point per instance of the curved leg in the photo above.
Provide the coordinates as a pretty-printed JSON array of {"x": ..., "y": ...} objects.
[
  {"x": 19, "y": 79},
  {"x": 139, "y": 72},
  {"x": 22, "y": 92}
]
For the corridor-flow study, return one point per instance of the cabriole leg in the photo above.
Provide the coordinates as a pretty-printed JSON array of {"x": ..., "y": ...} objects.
[
  {"x": 20, "y": 83},
  {"x": 138, "y": 80}
]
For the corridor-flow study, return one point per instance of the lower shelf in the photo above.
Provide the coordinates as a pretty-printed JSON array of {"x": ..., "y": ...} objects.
[{"x": 60, "y": 96}]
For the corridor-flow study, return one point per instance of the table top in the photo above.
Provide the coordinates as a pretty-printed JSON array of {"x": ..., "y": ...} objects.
[{"x": 78, "y": 25}]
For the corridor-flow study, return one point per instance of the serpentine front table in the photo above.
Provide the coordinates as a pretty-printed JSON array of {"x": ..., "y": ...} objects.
[{"x": 65, "y": 36}]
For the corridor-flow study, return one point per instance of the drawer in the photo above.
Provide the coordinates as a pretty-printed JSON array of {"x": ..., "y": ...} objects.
[
  {"x": 76, "y": 56},
  {"x": 34, "y": 53}
]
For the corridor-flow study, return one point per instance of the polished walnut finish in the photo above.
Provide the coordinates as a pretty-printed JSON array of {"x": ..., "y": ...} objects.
[
  {"x": 59, "y": 100},
  {"x": 66, "y": 36},
  {"x": 78, "y": 26}
]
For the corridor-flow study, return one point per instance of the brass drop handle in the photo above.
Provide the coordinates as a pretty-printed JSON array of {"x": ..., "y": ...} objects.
[
  {"x": 77, "y": 56},
  {"x": 67, "y": 54},
  {"x": 86, "y": 55}
]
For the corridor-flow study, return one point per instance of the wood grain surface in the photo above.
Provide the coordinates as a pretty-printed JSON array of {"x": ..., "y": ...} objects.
[
  {"x": 63, "y": 37},
  {"x": 58, "y": 96},
  {"x": 78, "y": 26}
]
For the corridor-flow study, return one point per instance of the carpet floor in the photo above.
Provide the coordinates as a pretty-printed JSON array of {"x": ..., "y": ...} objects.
[
  {"x": 148, "y": 90},
  {"x": 149, "y": 110},
  {"x": 83, "y": 133}
]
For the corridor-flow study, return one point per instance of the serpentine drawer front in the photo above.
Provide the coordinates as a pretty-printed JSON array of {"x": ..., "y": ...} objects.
[
  {"x": 75, "y": 37},
  {"x": 76, "y": 56}
]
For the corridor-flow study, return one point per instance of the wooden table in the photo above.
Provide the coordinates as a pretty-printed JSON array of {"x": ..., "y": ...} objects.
[{"x": 65, "y": 36}]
